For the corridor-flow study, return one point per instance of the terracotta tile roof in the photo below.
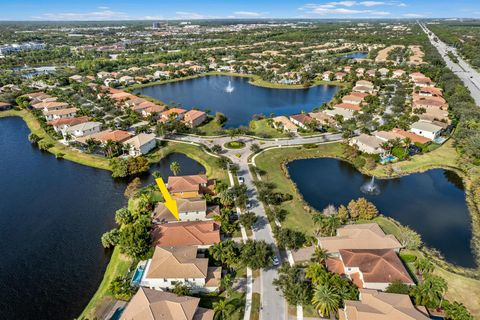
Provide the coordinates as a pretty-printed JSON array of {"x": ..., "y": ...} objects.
[
  {"x": 162, "y": 215},
  {"x": 349, "y": 106},
  {"x": 413, "y": 137},
  {"x": 177, "y": 263},
  {"x": 335, "y": 265},
  {"x": 192, "y": 115},
  {"x": 359, "y": 236},
  {"x": 359, "y": 94},
  {"x": 303, "y": 118},
  {"x": 50, "y": 105},
  {"x": 376, "y": 265},
  {"x": 186, "y": 233},
  {"x": 148, "y": 304},
  {"x": 140, "y": 139},
  {"x": 113, "y": 135},
  {"x": 186, "y": 183},
  {"x": 381, "y": 306},
  {"x": 69, "y": 121},
  {"x": 61, "y": 111},
  {"x": 168, "y": 112}
]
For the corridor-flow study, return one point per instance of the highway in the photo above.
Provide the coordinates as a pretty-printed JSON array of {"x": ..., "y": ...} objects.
[{"x": 469, "y": 76}]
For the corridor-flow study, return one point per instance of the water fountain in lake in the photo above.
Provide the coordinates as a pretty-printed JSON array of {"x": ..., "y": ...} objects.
[
  {"x": 229, "y": 88},
  {"x": 370, "y": 187}
]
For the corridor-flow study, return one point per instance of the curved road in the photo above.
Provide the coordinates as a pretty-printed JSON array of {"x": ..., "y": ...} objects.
[{"x": 274, "y": 306}]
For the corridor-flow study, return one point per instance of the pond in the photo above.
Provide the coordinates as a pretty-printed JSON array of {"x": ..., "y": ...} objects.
[
  {"x": 52, "y": 215},
  {"x": 355, "y": 55},
  {"x": 432, "y": 203},
  {"x": 238, "y": 99}
]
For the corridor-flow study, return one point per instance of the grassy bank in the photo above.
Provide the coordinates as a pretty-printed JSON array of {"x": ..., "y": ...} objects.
[
  {"x": 58, "y": 148},
  {"x": 273, "y": 163},
  {"x": 118, "y": 266},
  {"x": 254, "y": 80},
  {"x": 192, "y": 151}
]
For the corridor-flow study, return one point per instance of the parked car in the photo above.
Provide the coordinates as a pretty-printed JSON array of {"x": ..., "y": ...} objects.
[
  {"x": 241, "y": 180},
  {"x": 275, "y": 261}
]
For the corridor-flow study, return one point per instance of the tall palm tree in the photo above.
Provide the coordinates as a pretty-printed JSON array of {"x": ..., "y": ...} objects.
[
  {"x": 222, "y": 309},
  {"x": 326, "y": 300},
  {"x": 430, "y": 291},
  {"x": 175, "y": 167},
  {"x": 320, "y": 255},
  {"x": 424, "y": 266}
]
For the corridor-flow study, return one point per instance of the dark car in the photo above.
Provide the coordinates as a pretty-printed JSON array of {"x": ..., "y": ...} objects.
[{"x": 413, "y": 150}]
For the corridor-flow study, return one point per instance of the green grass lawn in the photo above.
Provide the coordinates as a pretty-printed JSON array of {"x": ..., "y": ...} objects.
[
  {"x": 272, "y": 161},
  {"x": 262, "y": 129},
  {"x": 234, "y": 145},
  {"x": 255, "y": 312},
  {"x": 211, "y": 128},
  {"x": 192, "y": 151},
  {"x": 58, "y": 148},
  {"x": 117, "y": 266}
]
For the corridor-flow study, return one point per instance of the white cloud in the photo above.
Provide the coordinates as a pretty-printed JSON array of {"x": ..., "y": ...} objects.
[
  {"x": 84, "y": 16},
  {"x": 413, "y": 15},
  {"x": 190, "y": 15},
  {"x": 104, "y": 8},
  {"x": 246, "y": 14},
  {"x": 402, "y": 4},
  {"x": 344, "y": 8},
  {"x": 371, "y": 3}
]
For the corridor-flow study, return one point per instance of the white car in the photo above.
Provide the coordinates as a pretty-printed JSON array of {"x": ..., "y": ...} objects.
[
  {"x": 275, "y": 261},
  {"x": 241, "y": 180}
]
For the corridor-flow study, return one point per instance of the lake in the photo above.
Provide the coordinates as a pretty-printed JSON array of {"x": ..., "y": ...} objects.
[
  {"x": 243, "y": 102},
  {"x": 52, "y": 215},
  {"x": 432, "y": 203},
  {"x": 355, "y": 55}
]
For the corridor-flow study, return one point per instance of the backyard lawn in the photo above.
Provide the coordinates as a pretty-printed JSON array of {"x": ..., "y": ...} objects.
[{"x": 192, "y": 151}]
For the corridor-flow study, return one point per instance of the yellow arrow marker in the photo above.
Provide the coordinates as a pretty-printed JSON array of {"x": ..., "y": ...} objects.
[{"x": 169, "y": 202}]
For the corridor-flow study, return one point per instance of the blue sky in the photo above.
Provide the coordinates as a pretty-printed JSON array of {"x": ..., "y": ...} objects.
[{"x": 209, "y": 9}]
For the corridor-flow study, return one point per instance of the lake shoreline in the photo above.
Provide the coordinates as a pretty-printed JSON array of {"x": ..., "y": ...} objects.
[
  {"x": 337, "y": 154},
  {"x": 254, "y": 80}
]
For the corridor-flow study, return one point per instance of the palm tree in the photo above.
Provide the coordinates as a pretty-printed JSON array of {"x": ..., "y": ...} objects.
[
  {"x": 424, "y": 266},
  {"x": 222, "y": 309},
  {"x": 320, "y": 255},
  {"x": 430, "y": 291},
  {"x": 226, "y": 284},
  {"x": 326, "y": 300},
  {"x": 175, "y": 167}
]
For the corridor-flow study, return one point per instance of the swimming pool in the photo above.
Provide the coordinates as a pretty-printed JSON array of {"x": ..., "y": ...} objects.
[
  {"x": 388, "y": 159},
  {"x": 137, "y": 276}
]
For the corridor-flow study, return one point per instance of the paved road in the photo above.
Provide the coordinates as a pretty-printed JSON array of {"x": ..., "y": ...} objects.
[
  {"x": 274, "y": 306},
  {"x": 469, "y": 76}
]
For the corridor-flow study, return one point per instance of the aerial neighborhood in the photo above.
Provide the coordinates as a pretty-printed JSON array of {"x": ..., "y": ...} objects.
[{"x": 252, "y": 168}]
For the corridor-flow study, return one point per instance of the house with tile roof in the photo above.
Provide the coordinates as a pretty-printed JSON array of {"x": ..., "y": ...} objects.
[
  {"x": 370, "y": 268},
  {"x": 60, "y": 114},
  {"x": 359, "y": 236},
  {"x": 141, "y": 144},
  {"x": 107, "y": 135},
  {"x": 202, "y": 234},
  {"x": 352, "y": 236},
  {"x": 191, "y": 186},
  {"x": 192, "y": 209},
  {"x": 83, "y": 129},
  {"x": 60, "y": 125},
  {"x": 194, "y": 118},
  {"x": 182, "y": 264},
  {"x": 148, "y": 304},
  {"x": 376, "y": 305}
]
